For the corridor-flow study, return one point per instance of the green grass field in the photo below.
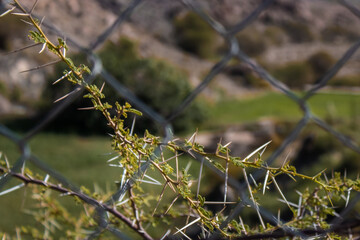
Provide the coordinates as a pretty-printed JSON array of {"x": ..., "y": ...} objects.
[
  {"x": 81, "y": 160},
  {"x": 278, "y": 106}
]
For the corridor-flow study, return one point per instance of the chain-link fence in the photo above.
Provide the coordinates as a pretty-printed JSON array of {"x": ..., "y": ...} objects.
[{"x": 234, "y": 52}]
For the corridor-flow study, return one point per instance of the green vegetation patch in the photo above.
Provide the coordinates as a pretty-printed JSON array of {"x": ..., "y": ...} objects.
[
  {"x": 298, "y": 32},
  {"x": 157, "y": 83},
  {"x": 252, "y": 42},
  {"x": 277, "y": 105},
  {"x": 345, "y": 81},
  {"x": 81, "y": 160},
  {"x": 295, "y": 74},
  {"x": 196, "y": 36}
]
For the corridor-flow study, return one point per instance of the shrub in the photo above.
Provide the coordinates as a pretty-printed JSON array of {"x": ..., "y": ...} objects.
[
  {"x": 252, "y": 42},
  {"x": 245, "y": 77},
  {"x": 16, "y": 94},
  {"x": 333, "y": 33},
  {"x": 160, "y": 85},
  {"x": 3, "y": 89},
  {"x": 298, "y": 32},
  {"x": 320, "y": 62},
  {"x": 194, "y": 35},
  {"x": 295, "y": 74},
  {"x": 275, "y": 35},
  {"x": 345, "y": 81}
]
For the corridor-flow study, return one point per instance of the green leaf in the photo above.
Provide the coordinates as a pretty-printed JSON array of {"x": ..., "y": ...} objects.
[
  {"x": 70, "y": 63},
  {"x": 36, "y": 37},
  {"x": 201, "y": 200}
]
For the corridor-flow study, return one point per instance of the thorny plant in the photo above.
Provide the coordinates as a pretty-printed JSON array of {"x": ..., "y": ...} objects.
[{"x": 136, "y": 155}]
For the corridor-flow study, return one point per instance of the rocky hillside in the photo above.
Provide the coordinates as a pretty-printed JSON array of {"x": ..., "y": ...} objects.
[{"x": 152, "y": 27}]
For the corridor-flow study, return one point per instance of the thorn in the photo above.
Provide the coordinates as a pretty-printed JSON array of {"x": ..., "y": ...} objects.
[
  {"x": 42, "y": 66},
  {"x": 7, "y": 162},
  {"x": 27, "y": 22},
  {"x": 7, "y": 12},
  {"x": 282, "y": 195},
  {"x": 188, "y": 166},
  {"x": 199, "y": 180},
  {"x": 167, "y": 233},
  {"x": 23, "y": 48},
  {"x": 146, "y": 181},
  {"x": 86, "y": 108},
  {"x": 255, "y": 151},
  {"x": 252, "y": 178},
  {"x": 262, "y": 152},
  {"x": 160, "y": 197},
  {"x": 278, "y": 217},
  {"x": 242, "y": 225},
  {"x": 42, "y": 20},
  {"x": 299, "y": 205},
  {"x": 317, "y": 175},
  {"x": 291, "y": 204},
  {"x": 253, "y": 199},
  {"x": 133, "y": 123},
  {"x": 326, "y": 179},
  {"x": 215, "y": 203},
  {"x": 177, "y": 165},
  {"x": 192, "y": 138},
  {"x": 265, "y": 181},
  {"x": 21, "y": 14},
  {"x": 226, "y": 145},
  {"x": 153, "y": 179},
  {"x": 123, "y": 178},
  {"x": 65, "y": 96},
  {"x": 29, "y": 176},
  {"x": 112, "y": 159},
  {"x": 43, "y": 48},
  {"x": 64, "y": 49},
  {"x": 218, "y": 145},
  {"x": 183, "y": 233},
  {"x": 102, "y": 86},
  {"x": 12, "y": 189},
  {"x": 286, "y": 158},
  {"x": 171, "y": 204},
  {"x": 67, "y": 74},
  {"x": 33, "y": 7},
  {"x": 226, "y": 181},
  {"x": 188, "y": 225},
  {"x": 46, "y": 178},
  {"x": 348, "y": 197},
  {"x": 123, "y": 202}
]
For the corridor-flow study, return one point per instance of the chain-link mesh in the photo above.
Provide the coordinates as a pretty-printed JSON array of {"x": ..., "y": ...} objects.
[{"x": 234, "y": 52}]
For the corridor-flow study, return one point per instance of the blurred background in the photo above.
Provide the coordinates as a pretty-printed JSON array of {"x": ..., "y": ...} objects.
[{"x": 161, "y": 53}]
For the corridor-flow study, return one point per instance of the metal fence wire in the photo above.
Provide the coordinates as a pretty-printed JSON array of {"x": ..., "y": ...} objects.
[{"x": 234, "y": 52}]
